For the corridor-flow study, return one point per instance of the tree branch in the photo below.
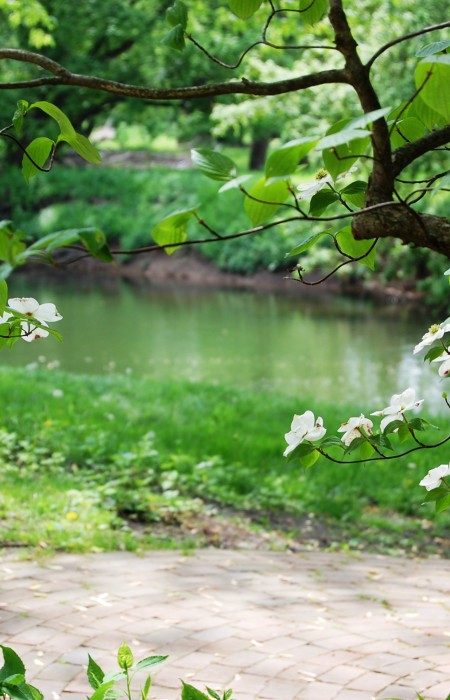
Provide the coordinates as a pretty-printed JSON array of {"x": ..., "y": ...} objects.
[
  {"x": 381, "y": 181},
  {"x": 62, "y": 76},
  {"x": 405, "y": 37},
  {"x": 403, "y": 222},
  {"x": 406, "y": 154}
]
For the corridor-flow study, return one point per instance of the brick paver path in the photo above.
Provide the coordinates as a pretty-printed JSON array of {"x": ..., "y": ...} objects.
[{"x": 271, "y": 625}]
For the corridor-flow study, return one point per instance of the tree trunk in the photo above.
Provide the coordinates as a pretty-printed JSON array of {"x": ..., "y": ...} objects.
[{"x": 258, "y": 152}]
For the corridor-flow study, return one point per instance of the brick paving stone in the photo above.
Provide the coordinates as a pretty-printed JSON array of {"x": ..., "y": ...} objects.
[
  {"x": 372, "y": 682},
  {"x": 313, "y": 625},
  {"x": 320, "y": 691},
  {"x": 350, "y": 695},
  {"x": 342, "y": 674},
  {"x": 282, "y": 690}
]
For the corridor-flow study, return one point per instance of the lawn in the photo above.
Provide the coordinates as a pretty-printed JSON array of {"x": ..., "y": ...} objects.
[{"x": 99, "y": 463}]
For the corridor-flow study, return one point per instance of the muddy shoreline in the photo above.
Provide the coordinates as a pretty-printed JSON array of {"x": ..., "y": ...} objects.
[{"x": 189, "y": 268}]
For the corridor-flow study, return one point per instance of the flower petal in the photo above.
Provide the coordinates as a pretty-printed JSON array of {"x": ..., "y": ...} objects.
[{"x": 24, "y": 305}]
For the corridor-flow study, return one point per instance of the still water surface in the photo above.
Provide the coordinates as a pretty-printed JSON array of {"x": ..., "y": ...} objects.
[{"x": 328, "y": 350}]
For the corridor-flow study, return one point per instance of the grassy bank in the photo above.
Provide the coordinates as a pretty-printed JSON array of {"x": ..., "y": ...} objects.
[{"x": 97, "y": 463}]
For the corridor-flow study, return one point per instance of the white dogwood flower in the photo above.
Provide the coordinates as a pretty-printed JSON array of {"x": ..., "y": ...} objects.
[
  {"x": 435, "y": 332},
  {"x": 308, "y": 189},
  {"x": 304, "y": 427},
  {"x": 44, "y": 313},
  {"x": 444, "y": 369},
  {"x": 351, "y": 428},
  {"x": 399, "y": 404},
  {"x": 434, "y": 477}
]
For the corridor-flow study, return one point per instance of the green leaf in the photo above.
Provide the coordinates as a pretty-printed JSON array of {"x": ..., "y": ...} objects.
[
  {"x": 307, "y": 243},
  {"x": 307, "y": 461},
  {"x": 227, "y": 694},
  {"x": 18, "y": 679},
  {"x": 428, "y": 116},
  {"x": 339, "y": 157},
  {"x": 366, "y": 450},
  {"x": 436, "y": 494},
  {"x": 58, "y": 115},
  {"x": 432, "y": 76},
  {"x": 267, "y": 200},
  {"x": 321, "y": 201},
  {"x": 332, "y": 441},
  {"x": 302, "y": 450},
  {"x": 285, "y": 159},
  {"x": 406, "y": 131},
  {"x": 177, "y": 14},
  {"x": 418, "y": 424},
  {"x": 3, "y": 295},
  {"x": 39, "y": 150},
  {"x": 393, "y": 426},
  {"x": 403, "y": 433},
  {"x": 102, "y": 690},
  {"x": 150, "y": 661},
  {"x": 213, "y": 693},
  {"x": 354, "y": 248},
  {"x": 442, "y": 504},
  {"x": 190, "y": 693},
  {"x": 434, "y": 47},
  {"x": 83, "y": 147},
  {"x": 355, "y": 193},
  {"x": 244, "y": 8},
  {"x": 125, "y": 657},
  {"x": 175, "y": 38},
  {"x": 25, "y": 691},
  {"x": 355, "y": 445},
  {"x": 172, "y": 229},
  {"x": 146, "y": 689},
  {"x": 433, "y": 353},
  {"x": 214, "y": 164},
  {"x": 235, "y": 183},
  {"x": 368, "y": 118},
  {"x": 21, "y": 110},
  {"x": 94, "y": 241},
  {"x": 344, "y": 136},
  {"x": 312, "y": 11},
  {"x": 13, "y": 664},
  {"x": 58, "y": 239},
  {"x": 95, "y": 675}
]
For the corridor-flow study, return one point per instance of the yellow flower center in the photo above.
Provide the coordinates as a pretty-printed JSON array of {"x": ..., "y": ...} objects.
[
  {"x": 321, "y": 174},
  {"x": 434, "y": 328}
]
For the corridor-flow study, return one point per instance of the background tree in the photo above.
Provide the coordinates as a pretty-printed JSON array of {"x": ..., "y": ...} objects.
[{"x": 387, "y": 139}]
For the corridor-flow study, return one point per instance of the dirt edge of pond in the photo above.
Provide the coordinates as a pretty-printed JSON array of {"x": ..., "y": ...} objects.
[{"x": 189, "y": 268}]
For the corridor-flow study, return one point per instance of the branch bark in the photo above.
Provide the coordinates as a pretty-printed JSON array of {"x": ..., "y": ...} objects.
[
  {"x": 408, "y": 153},
  {"x": 411, "y": 227},
  {"x": 62, "y": 76},
  {"x": 381, "y": 180}
]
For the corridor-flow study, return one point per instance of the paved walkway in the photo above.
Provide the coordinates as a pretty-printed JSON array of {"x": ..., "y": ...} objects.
[{"x": 312, "y": 626}]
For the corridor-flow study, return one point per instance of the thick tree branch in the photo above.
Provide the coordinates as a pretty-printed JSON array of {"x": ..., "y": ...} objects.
[
  {"x": 406, "y": 154},
  {"x": 381, "y": 180},
  {"x": 62, "y": 76},
  {"x": 400, "y": 221}
]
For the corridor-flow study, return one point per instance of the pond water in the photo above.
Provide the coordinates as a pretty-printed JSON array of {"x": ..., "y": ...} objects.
[{"x": 328, "y": 349}]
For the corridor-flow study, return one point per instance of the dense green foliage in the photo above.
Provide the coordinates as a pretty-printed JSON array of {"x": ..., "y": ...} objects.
[
  {"x": 166, "y": 447},
  {"x": 130, "y": 200}
]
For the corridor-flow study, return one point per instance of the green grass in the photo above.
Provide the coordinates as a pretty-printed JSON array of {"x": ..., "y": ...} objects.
[{"x": 77, "y": 469}]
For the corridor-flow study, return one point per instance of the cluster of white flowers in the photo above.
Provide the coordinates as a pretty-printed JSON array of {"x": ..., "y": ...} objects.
[
  {"x": 27, "y": 306},
  {"x": 436, "y": 332},
  {"x": 305, "y": 428}
]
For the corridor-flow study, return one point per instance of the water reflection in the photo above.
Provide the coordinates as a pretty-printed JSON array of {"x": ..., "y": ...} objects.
[{"x": 333, "y": 349}]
